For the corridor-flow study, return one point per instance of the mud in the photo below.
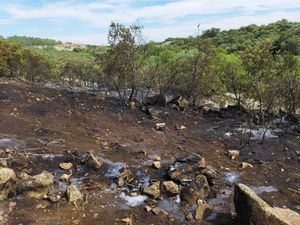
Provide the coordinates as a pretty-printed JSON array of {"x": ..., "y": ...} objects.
[{"x": 50, "y": 126}]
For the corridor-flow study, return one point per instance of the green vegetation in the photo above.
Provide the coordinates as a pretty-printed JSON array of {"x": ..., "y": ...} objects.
[
  {"x": 31, "y": 41},
  {"x": 284, "y": 34},
  {"x": 261, "y": 63}
]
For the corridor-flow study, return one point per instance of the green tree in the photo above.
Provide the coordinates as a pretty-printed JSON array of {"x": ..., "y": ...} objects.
[
  {"x": 122, "y": 61},
  {"x": 261, "y": 67},
  {"x": 36, "y": 67}
]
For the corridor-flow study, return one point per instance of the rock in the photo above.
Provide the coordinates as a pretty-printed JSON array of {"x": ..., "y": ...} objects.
[
  {"x": 160, "y": 126},
  {"x": 171, "y": 188},
  {"x": 180, "y": 127},
  {"x": 201, "y": 209},
  {"x": 198, "y": 189},
  {"x": 153, "y": 190},
  {"x": 4, "y": 162},
  {"x": 202, "y": 163},
  {"x": 132, "y": 105},
  {"x": 66, "y": 177},
  {"x": 158, "y": 158},
  {"x": 66, "y": 166},
  {"x": 74, "y": 195},
  {"x": 127, "y": 221},
  {"x": 154, "y": 113},
  {"x": 148, "y": 208},
  {"x": 125, "y": 177},
  {"x": 158, "y": 100},
  {"x": 37, "y": 186},
  {"x": 94, "y": 162},
  {"x": 252, "y": 210},
  {"x": 190, "y": 159},
  {"x": 210, "y": 174},
  {"x": 24, "y": 175},
  {"x": 159, "y": 212},
  {"x": 189, "y": 216},
  {"x": 156, "y": 164},
  {"x": 178, "y": 103},
  {"x": 244, "y": 165},
  {"x": 233, "y": 153},
  {"x": 7, "y": 182},
  {"x": 181, "y": 173},
  {"x": 54, "y": 198},
  {"x": 209, "y": 105}
]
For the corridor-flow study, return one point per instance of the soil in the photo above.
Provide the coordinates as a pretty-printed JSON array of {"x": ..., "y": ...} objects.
[{"x": 51, "y": 126}]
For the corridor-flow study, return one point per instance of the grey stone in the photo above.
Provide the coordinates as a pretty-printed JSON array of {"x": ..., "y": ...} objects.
[{"x": 252, "y": 210}]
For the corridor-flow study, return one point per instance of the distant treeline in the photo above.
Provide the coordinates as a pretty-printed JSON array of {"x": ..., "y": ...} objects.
[
  {"x": 285, "y": 34},
  {"x": 32, "y": 41},
  {"x": 260, "y": 63}
]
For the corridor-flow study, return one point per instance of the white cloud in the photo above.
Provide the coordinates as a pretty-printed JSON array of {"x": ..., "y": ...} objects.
[{"x": 168, "y": 19}]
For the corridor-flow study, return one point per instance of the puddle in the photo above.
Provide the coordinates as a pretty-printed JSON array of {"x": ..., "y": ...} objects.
[
  {"x": 172, "y": 206},
  {"x": 133, "y": 201},
  {"x": 212, "y": 216},
  {"x": 262, "y": 189},
  {"x": 47, "y": 155},
  {"x": 212, "y": 129},
  {"x": 112, "y": 189},
  {"x": 115, "y": 168},
  {"x": 62, "y": 186},
  {"x": 143, "y": 178},
  {"x": 232, "y": 177},
  {"x": 219, "y": 202},
  {"x": 258, "y": 134},
  {"x": 9, "y": 143}
]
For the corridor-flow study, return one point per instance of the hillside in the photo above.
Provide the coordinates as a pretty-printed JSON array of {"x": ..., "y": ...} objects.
[{"x": 285, "y": 34}]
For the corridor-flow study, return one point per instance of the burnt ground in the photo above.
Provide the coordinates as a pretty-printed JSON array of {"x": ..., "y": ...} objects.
[{"x": 52, "y": 126}]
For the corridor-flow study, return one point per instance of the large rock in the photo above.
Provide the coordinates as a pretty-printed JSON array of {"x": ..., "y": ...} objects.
[
  {"x": 7, "y": 182},
  {"x": 158, "y": 100},
  {"x": 197, "y": 189},
  {"x": 37, "y": 186},
  {"x": 252, "y": 210}
]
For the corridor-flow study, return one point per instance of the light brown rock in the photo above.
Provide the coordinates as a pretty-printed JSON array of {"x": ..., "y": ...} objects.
[
  {"x": 160, "y": 126},
  {"x": 245, "y": 165},
  {"x": 171, "y": 188},
  {"x": 153, "y": 190},
  {"x": 7, "y": 182},
  {"x": 74, "y": 195},
  {"x": 159, "y": 212},
  {"x": 252, "y": 210},
  {"x": 156, "y": 164},
  {"x": 66, "y": 166},
  {"x": 201, "y": 209},
  {"x": 233, "y": 153},
  {"x": 37, "y": 186}
]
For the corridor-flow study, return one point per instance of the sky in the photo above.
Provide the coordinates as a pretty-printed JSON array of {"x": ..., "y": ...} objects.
[{"x": 87, "y": 21}]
